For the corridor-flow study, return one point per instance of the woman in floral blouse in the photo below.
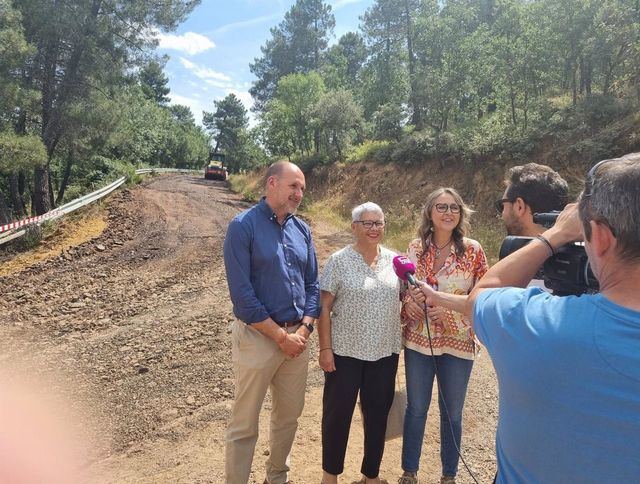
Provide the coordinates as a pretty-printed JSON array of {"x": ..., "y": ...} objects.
[{"x": 449, "y": 262}]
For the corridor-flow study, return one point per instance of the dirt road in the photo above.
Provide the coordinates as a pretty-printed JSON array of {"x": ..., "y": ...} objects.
[{"x": 138, "y": 320}]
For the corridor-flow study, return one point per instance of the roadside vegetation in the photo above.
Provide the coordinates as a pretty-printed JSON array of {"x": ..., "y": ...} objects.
[{"x": 83, "y": 98}]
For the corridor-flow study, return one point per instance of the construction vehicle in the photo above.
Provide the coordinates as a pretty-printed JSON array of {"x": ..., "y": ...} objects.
[{"x": 215, "y": 169}]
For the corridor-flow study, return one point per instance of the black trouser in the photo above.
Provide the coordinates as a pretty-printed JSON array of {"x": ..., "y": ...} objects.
[{"x": 376, "y": 382}]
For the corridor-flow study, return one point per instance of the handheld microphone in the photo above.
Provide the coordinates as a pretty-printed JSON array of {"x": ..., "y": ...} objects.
[{"x": 405, "y": 269}]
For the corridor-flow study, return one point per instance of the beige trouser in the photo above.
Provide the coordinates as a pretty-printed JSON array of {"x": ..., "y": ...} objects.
[{"x": 258, "y": 364}]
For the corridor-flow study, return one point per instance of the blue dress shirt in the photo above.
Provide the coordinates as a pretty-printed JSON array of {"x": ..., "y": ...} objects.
[{"x": 272, "y": 270}]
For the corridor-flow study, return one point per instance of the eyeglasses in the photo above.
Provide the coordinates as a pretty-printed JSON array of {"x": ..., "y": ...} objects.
[
  {"x": 443, "y": 207},
  {"x": 369, "y": 224},
  {"x": 500, "y": 204}
]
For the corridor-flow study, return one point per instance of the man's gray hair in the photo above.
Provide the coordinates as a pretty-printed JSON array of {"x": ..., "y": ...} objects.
[
  {"x": 357, "y": 212},
  {"x": 611, "y": 196}
]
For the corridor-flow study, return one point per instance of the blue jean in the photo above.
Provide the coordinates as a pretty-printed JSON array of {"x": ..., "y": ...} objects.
[{"x": 454, "y": 376}]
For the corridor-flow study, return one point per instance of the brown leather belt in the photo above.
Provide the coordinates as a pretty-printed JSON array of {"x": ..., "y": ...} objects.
[{"x": 290, "y": 325}]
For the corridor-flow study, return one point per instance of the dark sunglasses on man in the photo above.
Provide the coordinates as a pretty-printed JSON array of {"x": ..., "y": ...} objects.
[{"x": 499, "y": 204}]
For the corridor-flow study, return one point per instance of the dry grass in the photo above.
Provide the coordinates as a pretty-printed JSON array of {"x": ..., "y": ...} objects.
[
  {"x": 69, "y": 232},
  {"x": 247, "y": 184},
  {"x": 332, "y": 209}
]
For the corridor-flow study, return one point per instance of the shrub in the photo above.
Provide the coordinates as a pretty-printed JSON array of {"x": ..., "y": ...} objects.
[
  {"x": 414, "y": 147},
  {"x": 308, "y": 162},
  {"x": 370, "y": 150}
]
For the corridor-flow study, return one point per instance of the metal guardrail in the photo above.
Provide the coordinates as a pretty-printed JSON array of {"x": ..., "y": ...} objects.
[{"x": 16, "y": 229}]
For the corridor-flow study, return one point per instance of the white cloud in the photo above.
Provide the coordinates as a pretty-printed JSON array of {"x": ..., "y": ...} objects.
[
  {"x": 246, "y": 23},
  {"x": 204, "y": 72},
  {"x": 342, "y": 3},
  {"x": 189, "y": 42},
  {"x": 218, "y": 84}
]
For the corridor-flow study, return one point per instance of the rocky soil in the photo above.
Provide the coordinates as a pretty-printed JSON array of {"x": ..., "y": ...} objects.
[{"x": 137, "y": 320}]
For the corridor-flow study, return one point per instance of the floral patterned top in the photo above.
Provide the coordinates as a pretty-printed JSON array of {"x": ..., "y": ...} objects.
[{"x": 458, "y": 275}]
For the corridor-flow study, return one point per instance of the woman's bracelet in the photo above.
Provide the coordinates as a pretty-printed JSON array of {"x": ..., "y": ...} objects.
[
  {"x": 328, "y": 348},
  {"x": 545, "y": 241}
]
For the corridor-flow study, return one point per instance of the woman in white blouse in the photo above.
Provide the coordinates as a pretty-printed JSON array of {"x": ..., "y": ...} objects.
[{"x": 360, "y": 338}]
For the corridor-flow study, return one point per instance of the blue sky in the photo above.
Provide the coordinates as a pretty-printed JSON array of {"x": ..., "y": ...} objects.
[{"x": 210, "y": 52}]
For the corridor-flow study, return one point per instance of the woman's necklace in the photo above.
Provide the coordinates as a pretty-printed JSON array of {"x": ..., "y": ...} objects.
[{"x": 439, "y": 249}]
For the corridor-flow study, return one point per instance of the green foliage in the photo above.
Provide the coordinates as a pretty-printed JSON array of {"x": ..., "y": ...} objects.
[
  {"x": 308, "y": 162},
  {"x": 600, "y": 110},
  {"x": 153, "y": 82},
  {"x": 229, "y": 126},
  {"x": 369, "y": 150},
  {"x": 339, "y": 118},
  {"x": 289, "y": 123},
  {"x": 471, "y": 80},
  {"x": 343, "y": 62},
  {"x": 413, "y": 148},
  {"x": 149, "y": 134},
  {"x": 246, "y": 185},
  {"x": 31, "y": 239},
  {"x": 297, "y": 45},
  {"x": 388, "y": 120},
  {"x": 20, "y": 152},
  {"x": 14, "y": 51}
]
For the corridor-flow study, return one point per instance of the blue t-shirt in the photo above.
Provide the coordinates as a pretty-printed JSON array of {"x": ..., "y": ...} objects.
[{"x": 569, "y": 376}]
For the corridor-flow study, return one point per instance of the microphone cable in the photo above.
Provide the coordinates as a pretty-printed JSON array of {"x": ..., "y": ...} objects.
[{"x": 441, "y": 395}]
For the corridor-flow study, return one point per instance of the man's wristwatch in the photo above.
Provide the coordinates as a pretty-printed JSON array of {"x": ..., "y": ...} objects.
[{"x": 309, "y": 327}]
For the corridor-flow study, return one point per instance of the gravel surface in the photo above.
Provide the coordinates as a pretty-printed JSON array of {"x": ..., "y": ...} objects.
[{"x": 137, "y": 321}]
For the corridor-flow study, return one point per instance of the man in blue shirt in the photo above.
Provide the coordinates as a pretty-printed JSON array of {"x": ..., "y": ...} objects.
[
  {"x": 272, "y": 274},
  {"x": 569, "y": 367}
]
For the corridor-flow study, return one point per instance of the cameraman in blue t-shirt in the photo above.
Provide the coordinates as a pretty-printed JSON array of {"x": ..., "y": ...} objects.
[{"x": 568, "y": 367}]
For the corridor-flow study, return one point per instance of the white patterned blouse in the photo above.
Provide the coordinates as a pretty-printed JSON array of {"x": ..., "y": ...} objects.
[{"x": 365, "y": 318}]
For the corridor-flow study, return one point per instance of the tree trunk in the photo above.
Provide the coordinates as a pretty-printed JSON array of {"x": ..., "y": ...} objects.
[
  {"x": 52, "y": 202},
  {"x": 316, "y": 139},
  {"x": 65, "y": 177},
  {"x": 512, "y": 99},
  {"x": 22, "y": 186},
  {"x": 4, "y": 210},
  {"x": 574, "y": 85},
  {"x": 16, "y": 199},
  {"x": 416, "y": 118},
  {"x": 588, "y": 76},
  {"x": 525, "y": 109},
  {"x": 607, "y": 79},
  {"x": 41, "y": 200},
  {"x": 55, "y": 100},
  {"x": 582, "y": 75}
]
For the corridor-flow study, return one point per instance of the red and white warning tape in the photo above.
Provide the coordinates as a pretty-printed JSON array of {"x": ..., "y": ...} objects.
[
  {"x": 9, "y": 231},
  {"x": 29, "y": 221}
]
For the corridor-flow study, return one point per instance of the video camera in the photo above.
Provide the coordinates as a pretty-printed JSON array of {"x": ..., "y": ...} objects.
[{"x": 565, "y": 273}]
